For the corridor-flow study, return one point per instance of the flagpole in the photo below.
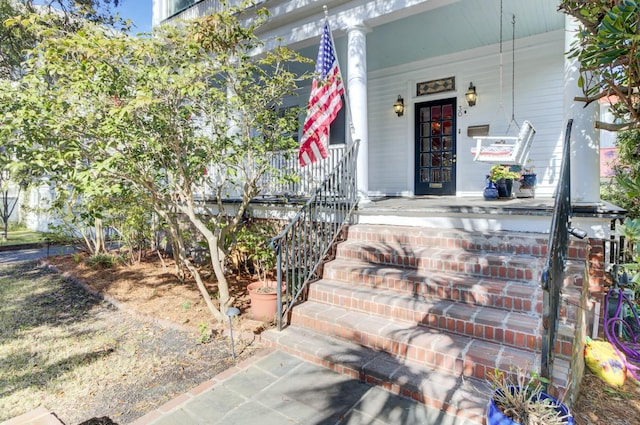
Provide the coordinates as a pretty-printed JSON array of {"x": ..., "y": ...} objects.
[{"x": 347, "y": 100}]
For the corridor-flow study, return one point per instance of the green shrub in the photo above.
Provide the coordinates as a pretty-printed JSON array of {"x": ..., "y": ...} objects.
[{"x": 105, "y": 261}]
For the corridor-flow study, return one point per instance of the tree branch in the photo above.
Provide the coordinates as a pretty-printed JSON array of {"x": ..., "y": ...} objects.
[{"x": 600, "y": 125}]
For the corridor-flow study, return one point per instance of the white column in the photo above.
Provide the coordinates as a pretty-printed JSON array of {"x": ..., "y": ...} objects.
[
  {"x": 357, "y": 93},
  {"x": 585, "y": 139}
]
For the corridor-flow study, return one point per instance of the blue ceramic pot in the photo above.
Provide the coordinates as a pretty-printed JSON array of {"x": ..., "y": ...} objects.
[
  {"x": 528, "y": 181},
  {"x": 505, "y": 187},
  {"x": 490, "y": 191},
  {"x": 496, "y": 417}
]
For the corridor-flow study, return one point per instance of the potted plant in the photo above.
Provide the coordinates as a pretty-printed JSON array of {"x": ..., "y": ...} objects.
[
  {"x": 519, "y": 399},
  {"x": 528, "y": 181},
  {"x": 503, "y": 177},
  {"x": 253, "y": 241}
]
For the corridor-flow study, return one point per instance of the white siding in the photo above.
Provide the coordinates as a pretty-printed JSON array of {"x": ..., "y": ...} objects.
[{"x": 538, "y": 98}]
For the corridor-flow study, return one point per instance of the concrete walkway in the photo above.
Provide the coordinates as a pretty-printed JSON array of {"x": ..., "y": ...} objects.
[
  {"x": 275, "y": 388},
  {"x": 17, "y": 254}
]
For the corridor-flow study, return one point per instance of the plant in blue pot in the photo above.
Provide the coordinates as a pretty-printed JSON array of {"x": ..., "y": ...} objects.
[
  {"x": 519, "y": 399},
  {"x": 528, "y": 181},
  {"x": 503, "y": 177}
]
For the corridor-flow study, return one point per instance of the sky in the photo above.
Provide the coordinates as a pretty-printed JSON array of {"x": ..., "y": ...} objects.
[{"x": 139, "y": 11}]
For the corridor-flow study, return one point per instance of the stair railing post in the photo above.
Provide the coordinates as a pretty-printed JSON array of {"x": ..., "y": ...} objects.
[{"x": 278, "y": 248}]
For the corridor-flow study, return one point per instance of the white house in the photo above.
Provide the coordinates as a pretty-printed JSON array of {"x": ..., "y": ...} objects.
[
  {"x": 429, "y": 52},
  {"x": 426, "y": 55}
]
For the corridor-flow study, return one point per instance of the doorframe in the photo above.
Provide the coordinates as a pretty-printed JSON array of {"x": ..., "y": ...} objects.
[{"x": 413, "y": 175}]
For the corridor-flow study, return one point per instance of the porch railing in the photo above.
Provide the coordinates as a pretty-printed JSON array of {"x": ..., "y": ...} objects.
[
  {"x": 553, "y": 272},
  {"x": 305, "y": 242},
  {"x": 307, "y": 179}
]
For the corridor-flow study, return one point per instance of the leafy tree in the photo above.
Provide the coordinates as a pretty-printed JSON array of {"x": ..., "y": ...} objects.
[
  {"x": 607, "y": 48},
  {"x": 189, "y": 108},
  {"x": 15, "y": 40},
  {"x": 624, "y": 190}
]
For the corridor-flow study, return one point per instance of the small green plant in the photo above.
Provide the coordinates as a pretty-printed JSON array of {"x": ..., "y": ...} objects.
[
  {"x": 186, "y": 305},
  {"x": 204, "y": 333},
  {"x": 518, "y": 396},
  {"x": 76, "y": 257},
  {"x": 103, "y": 260},
  {"x": 253, "y": 243},
  {"x": 529, "y": 167},
  {"x": 499, "y": 172}
]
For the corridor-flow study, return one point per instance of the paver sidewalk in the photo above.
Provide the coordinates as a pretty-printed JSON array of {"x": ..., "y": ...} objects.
[
  {"x": 39, "y": 416},
  {"x": 275, "y": 388}
]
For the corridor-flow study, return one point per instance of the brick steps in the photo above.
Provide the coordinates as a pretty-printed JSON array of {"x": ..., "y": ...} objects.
[
  {"x": 456, "y": 354},
  {"x": 512, "y": 328},
  {"x": 428, "y": 313}
]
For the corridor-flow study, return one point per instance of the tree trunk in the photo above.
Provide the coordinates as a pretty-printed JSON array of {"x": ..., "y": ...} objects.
[
  {"x": 217, "y": 259},
  {"x": 217, "y": 262},
  {"x": 100, "y": 246},
  {"x": 203, "y": 289},
  {"x": 174, "y": 230}
]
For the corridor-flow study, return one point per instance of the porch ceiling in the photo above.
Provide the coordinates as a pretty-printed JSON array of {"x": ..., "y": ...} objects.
[
  {"x": 457, "y": 27},
  {"x": 410, "y": 34}
]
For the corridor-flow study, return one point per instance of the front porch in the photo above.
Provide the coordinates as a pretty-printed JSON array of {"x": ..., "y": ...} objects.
[
  {"x": 468, "y": 213},
  {"x": 479, "y": 214}
]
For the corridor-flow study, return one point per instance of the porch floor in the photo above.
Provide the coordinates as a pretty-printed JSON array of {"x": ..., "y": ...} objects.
[{"x": 478, "y": 205}]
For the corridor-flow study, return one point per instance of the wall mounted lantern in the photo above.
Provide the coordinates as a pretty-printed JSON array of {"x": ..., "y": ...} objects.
[
  {"x": 398, "y": 107},
  {"x": 471, "y": 95}
]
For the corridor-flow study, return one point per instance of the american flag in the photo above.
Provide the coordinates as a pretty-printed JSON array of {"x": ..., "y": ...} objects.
[{"x": 325, "y": 102}]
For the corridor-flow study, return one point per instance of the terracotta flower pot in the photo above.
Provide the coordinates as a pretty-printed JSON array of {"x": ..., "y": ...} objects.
[{"x": 264, "y": 300}]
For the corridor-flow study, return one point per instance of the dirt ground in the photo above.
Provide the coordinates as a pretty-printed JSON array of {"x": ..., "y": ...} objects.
[
  {"x": 151, "y": 290},
  {"x": 167, "y": 323}
]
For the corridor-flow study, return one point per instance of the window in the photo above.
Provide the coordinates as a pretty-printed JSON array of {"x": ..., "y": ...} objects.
[{"x": 173, "y": 7}]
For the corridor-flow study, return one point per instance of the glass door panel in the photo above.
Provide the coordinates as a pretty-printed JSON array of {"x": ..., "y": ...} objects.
[{"x": 435, "y": 156}]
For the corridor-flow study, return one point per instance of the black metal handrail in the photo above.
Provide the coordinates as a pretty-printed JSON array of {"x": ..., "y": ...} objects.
[
  {"x": 305, "y": 242},
  {"x": 553, "y": 272}
]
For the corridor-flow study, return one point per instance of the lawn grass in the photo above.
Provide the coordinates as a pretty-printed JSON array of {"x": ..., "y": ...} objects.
[
  {"x": 78, "y": 356},
  {"x": 50, "y": 340},
  {"x": 19, "y": 237}
]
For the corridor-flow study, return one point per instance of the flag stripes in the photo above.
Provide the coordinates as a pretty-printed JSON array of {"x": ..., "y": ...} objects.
[{"x": 325, "y": 101}]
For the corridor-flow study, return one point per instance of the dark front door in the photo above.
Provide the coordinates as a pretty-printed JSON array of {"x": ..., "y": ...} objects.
[{"x": 435, "y": 161}]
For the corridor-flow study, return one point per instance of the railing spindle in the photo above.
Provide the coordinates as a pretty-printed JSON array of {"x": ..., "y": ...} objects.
[{"x": 311, "y": 233}]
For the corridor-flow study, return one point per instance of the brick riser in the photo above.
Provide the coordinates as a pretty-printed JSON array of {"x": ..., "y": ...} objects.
[
  {"x": 523, "y": 268},
  {"x": 502, "y": 242},
  {"x": 511, "y": 295},
  {"x": 488, "y": 292}
]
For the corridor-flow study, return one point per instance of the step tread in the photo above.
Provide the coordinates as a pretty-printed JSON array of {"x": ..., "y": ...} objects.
[
  {"x": 375, "y": 274},
  {"x": 414, "y": 308},
  {"x": 429, "y": 250},
  {"x": 404, "y": 278},
  {"x": 460, "y": 353},
  {"x": 467, "y": 397},
  {"x": 453, "y": 260}
]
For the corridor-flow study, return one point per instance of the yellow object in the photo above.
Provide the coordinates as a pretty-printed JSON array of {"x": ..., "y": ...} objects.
[{"x": 603, "y": 360}]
